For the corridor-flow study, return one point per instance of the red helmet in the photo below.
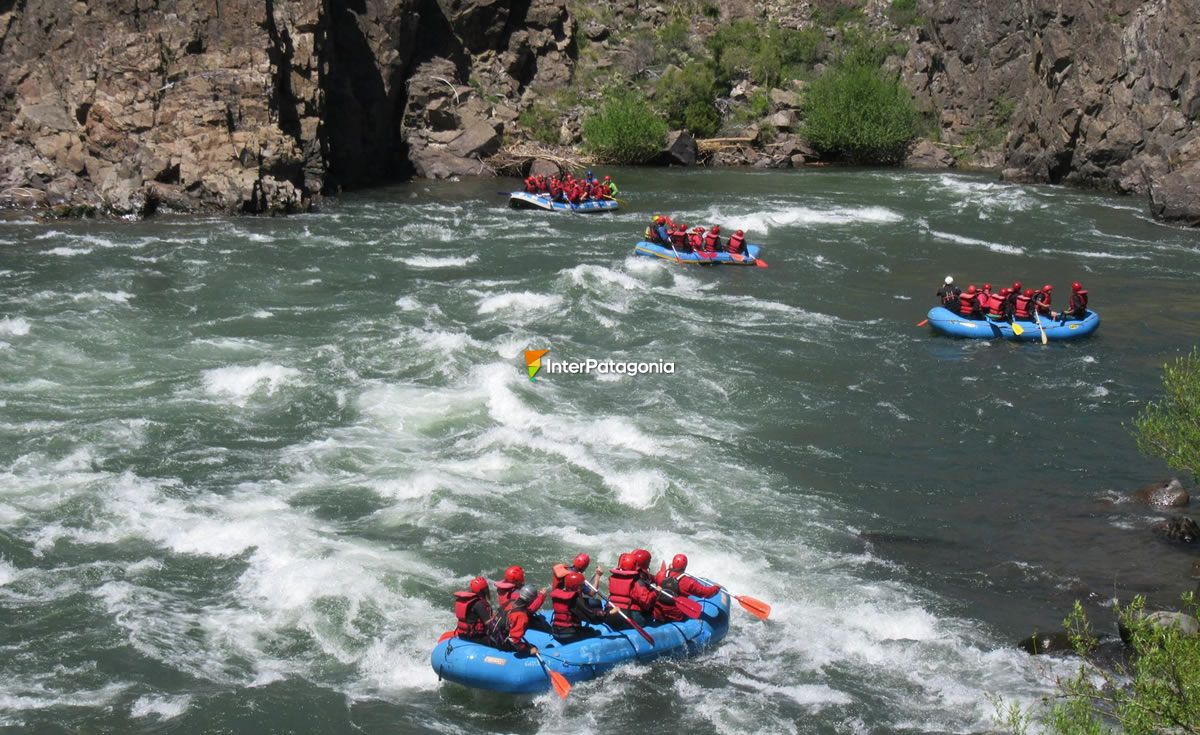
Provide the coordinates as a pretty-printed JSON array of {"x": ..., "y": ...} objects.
[
  {"x": 478, "y": 585},
  {"x": 971, "y": 288},
  {"x": 573, "y": 580},
  {"x": 738, "y": 233},
  {"x": 658, "y": 219},
  {"x": 1016, "y": 286},
  {"x": 1029, "y": 292},
  {"x": 642, "y": 558},
  {"x": 679, "y": 562},
  {"x": 1076, "y": 286},
  {"x": 1047, "y": 287},
  {"x": 987, "y": 287},
  {"x": 515, "y": 574},
  {"x": 581, "y": 562},
  {"x": 608, "y": 178},
  {"x": 1005, "y": 291},
  {"x": 626, "y": 562},
  {"x": 716, "y": 228}
]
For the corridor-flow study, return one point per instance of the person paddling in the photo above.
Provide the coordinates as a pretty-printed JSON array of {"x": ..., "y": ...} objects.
[
  {"x": 473, "y": 611},
  {"x": 514, "y": 579},
  {"x": 1041, "y": 301},
  {"x": 571, "y": 611},
  {"x": 675, "y": 577},
  {"x": 1077, "y": 306},
  {"x": 580, "y": 565},
  {"x": 737, "y": 242},
  {"x": 968, "y": 303},
  {"x": 1023, "y": 305},
  {"x": 626, "y": 593},
  {"x": 518, "y": 621},
  {"x": 948, "y": 293}
]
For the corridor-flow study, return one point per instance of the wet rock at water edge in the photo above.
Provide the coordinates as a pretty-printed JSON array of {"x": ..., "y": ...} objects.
[
  {"x": 542, "y": 167},
  {"x": 1041, "y": 643},
  {"x": 928, "y": 155},
  {"x": 680, "y": 149},
  {"x": 1179, "y": 530},
  {"x": 1175, "y": 197},
  {"x": 1167, "y": 493},
  {"x": 1163, "y": 619},
  {"x": 442, "y": 164}
]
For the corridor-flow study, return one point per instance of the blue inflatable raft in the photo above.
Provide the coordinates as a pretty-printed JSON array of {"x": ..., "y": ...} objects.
[
  {"x": 652, "y": 250},
  {"x": 947, "y": 322},
  {"x": 525, "y": 200},
  {"x": 483, "y": 667}
]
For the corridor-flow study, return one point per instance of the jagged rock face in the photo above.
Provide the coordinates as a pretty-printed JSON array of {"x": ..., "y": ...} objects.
[
  {"x": 1101, "y": 93},
  {"x": 251, "y": 105}
]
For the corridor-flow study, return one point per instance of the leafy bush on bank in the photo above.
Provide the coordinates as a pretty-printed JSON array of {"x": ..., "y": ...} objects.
[
  {"x": 859, "y": 113},
  {"x": 624, "y": 129}
]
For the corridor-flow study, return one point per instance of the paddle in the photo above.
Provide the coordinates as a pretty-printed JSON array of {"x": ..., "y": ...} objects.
[
  {"x": 562, "y": 687},
  {"x": 673, "y": 250},
  {"x": 922, "y": 323},
  {"x": 757, "y": 608},
  {"x": 447, "y": 635},
  {"x": 622, "y": 202},
  {"x": 1041, "y": 328},
  {"x": 688, "y": 607},
  {"x": 1017, "y": 328},
  {"x": 641, "y": 631}
]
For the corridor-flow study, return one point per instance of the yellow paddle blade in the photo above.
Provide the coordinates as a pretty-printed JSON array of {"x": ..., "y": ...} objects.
[
  {"x": 1044, "y": 339},
  {"x": 757, "y": 608},
  {"x": 1018, "y": 329},
  {"x": 562, "y": 687}
]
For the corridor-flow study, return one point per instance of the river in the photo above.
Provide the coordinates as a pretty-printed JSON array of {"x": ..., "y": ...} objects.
[{"x": 244, "y": 462}]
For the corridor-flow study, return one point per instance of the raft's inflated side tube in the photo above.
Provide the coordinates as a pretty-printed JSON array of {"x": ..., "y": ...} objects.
[
  {"x": 947, "y": 322},
  {"x": 653, "y": 250},
  {"x": 483, "y": 667},
  {"x": 525, "y": 200}
]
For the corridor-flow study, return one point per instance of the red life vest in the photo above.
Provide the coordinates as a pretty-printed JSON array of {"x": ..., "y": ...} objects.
[
  {"x": 711, "y": 240},
  {"x": 694, "y": 240},
  {"x": 1079, "y": 301},
  {"x": 995, "y": 304},
  {"x": 966, "y": 303},
  {"x": 620, "y": 588},
  {"x": 563, "y": 601},
  {"x": 677, "y": 237},
  {"x": 1022, "y": 310},
  {"x": 463, "y": 600},
  {"x": 735, "y": 243}
]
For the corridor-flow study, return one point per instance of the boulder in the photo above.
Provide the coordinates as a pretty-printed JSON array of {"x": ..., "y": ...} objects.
[
  {"x": 479, "y": 24},
  {"x": 680, "y": 149},
  {"x": 542, "y": 167},
  {"x": 442, "y": 164},
  {"x": 782, "y": 120},
  {"x": 784, "y": 99},
  {"x": 1165, "y": 493},
  {"x": 1175, "y": 197},
  {"x": 1196, "y": 569},
  {"x": 479, "y": 139},
  {"x": 23, "y": 197},
  {"x": 742, "y": 90},
  {"x": 1186, "y": 624},
  {"x": 595, "y": 30},
  {"x": 1179, "y": 530},
  {"x": 927, "y": 155},
  {"x": 1040, "y": 643}
]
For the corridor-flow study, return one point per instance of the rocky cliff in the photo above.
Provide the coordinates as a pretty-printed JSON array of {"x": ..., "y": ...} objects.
[
  {"x": 255, "y": 105},
  {"x": 266, "y": 105}
]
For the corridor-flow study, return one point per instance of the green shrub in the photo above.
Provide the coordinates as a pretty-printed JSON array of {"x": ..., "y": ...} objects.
[
  {"x": 674, "y": 33},
  {"x": 857, "y": 113},
  {"x": 759, "y": 104},
  {"x": 904, "y": 13},
  {"x": 1169, "y": 428},
  {"x": 685, "y": 97},
  {"x": 837, "y": 12},
  {"x": 767, "y": 56},
  {"x": 541, "y": 122},
  {"x": 624, "y": 129}
]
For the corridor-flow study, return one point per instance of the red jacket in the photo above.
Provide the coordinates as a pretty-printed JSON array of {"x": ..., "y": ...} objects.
[
  {"x": 505, "y": 592},
  {"x": 518, "y": 621},
  {"x": 688, "y": 586}
]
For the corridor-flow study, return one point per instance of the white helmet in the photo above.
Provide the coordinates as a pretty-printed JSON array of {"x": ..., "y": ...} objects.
[{"x": 949, "y": 280}]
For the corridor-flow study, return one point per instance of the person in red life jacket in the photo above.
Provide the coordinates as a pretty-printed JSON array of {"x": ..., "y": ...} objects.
[
  {"x": 996, "y": 304},
  {"x": 608, "y": 186},
  {"x": 555, "y": 188},
  {"x": 657, "y": 231},
  {"x": 737, "y": 242},
  {"x": 627, "y": 593},
  {"x": 571, "y": 611},
  {"x": 688, "y": 586},
  {"x": 530, "y": 185},
  {"x": 695, "y": 239},
  {"x": 597, "y": 190},
  {"x": 473, "y": 611},
  {"x": 1077, "y": 306},
  {"x": 678, "y": 238},
  {"x": 712, "y": 239},
  {"x": 1041, "y": 301},
  {"x": 518, "y": 620},
  {"x": 1011, "y": 307},
  {"x": 1023, "y": 305},
  {"x": 514, "y": 580},
  {"x": 968, "y": 303}
]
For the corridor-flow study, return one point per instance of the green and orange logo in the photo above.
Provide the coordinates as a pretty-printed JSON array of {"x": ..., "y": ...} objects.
[{"x": 533, "y": 362}]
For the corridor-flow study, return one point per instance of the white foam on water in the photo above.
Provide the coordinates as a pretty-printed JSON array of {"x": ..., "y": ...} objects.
[
  {"x": 164, "y": 707},
  {"x": 639, "y": 489},
  {"x": 66, "y": 252},
  {"x": 14, "y": 327},
  {"x": 407, "y": 303},
  {"x": 521, "y": 301},
  {"x": 427, "y": 261},
  {"x": 239, "y": 383},
  {"x": 116, "y": 297},
  {"x": 762, "y": 222},
  {"x": 963, "y": 240},
  {"x": 263, "y": 314},
  {"x": 1101, "y": 255},
  {"x": 7, "y": 572}
]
